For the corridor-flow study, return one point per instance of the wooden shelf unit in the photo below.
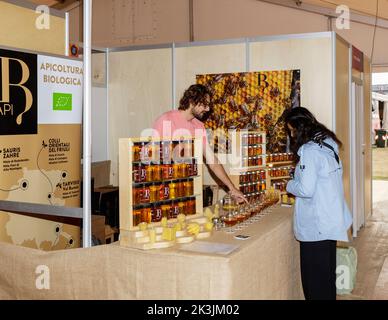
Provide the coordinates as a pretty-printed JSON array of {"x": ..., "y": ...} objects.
[
  {"x": 126, "y": 180},
  {"x": 235, "y": 167}
]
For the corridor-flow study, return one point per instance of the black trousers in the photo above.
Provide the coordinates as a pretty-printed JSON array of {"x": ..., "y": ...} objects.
[{"x": 318, "y": 266}]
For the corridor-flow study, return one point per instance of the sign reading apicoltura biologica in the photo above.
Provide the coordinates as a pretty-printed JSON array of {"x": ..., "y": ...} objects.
[{"x": 40, "y": 128}]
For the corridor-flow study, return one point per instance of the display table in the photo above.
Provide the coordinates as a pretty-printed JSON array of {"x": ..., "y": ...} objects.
[{"x": 265, "y": 266}]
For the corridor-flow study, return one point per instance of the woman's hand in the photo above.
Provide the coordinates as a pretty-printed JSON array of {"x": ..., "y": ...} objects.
[{"x": 237, "y": 195}]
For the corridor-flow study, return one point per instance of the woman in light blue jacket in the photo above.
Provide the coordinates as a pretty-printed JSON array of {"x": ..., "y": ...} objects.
[{"x": 321, "y": 216}]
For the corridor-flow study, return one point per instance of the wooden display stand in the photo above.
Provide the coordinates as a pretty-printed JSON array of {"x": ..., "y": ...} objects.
[
  {"x": 239, "y": 165},
  {"x": 130, "y": 232}
]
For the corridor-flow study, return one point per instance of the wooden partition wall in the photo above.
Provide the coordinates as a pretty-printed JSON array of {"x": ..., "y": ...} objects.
[
  {"x": 139, "y": 90},
  {"x": 342, "y": 114}
]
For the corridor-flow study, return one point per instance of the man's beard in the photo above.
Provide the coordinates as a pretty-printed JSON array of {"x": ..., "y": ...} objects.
[{"x": 198, "y": 115}]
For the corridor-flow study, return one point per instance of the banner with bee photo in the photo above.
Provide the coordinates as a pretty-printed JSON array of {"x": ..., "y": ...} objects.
[{"x": 250, "y": 100}]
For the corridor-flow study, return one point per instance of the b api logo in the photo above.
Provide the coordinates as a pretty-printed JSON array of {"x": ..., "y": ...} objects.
[{"x": 18, "y": 93}]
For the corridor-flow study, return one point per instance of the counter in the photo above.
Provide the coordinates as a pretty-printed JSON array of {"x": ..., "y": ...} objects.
[{"x": 265, "y": 266}]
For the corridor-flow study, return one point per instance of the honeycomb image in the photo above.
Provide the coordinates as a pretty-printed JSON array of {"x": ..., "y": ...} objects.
[{"x": 251, "y": 100}]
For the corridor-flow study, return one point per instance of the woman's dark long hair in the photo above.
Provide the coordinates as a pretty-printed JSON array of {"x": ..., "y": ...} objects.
[{"x": 307, "y": 128}]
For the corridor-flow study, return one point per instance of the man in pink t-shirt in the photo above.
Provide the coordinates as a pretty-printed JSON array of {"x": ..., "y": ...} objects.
[{"x": 186, "y": 121}]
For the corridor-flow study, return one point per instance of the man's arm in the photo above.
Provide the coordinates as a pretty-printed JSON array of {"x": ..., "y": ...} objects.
[{"x": 217, "y": 168}]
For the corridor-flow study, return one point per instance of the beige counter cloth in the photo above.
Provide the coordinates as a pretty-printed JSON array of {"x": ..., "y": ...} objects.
[{"x": 266, "y": 266}]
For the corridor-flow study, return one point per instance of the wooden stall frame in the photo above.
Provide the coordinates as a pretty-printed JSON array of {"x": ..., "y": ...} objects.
[{"x": 331, "y": 121}]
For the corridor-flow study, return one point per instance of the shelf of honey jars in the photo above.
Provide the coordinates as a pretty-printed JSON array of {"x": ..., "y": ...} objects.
[
  {"x": 159, "y": 178},
  {"x": 248, "y": 152},
  {"x": 279, "y": 159}
]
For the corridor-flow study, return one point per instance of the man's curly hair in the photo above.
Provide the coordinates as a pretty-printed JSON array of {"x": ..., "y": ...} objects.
[{"x": 196, "y": 93}]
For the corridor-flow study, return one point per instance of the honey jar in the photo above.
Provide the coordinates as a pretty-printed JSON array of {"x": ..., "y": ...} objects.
[
  {"x": 142, "y": 171},
  {"x": 176, "y": 174},
  {"x": 250, "y": 151},
  {"x": 183, "y": 170},
  {"x": 145, "y": 194},
  {"x": 137, "y": 195},
  {"x": 175, "y": 209},
  {"x": 156, "y": 213},
  {"x": 189, "y": 188},
  {"x": 164, "y": 191},
  {"x": 146, "y": 152},
  {"x": 136, "y": 215},
  {"x": 136, "y": 149},
  {"x": 166, "y": 171},
  {"x": 189, "y": 168},
  {"x": 195, "y": 167},
  {"x": 182, "y": 207},
  {"x": 245, "y": 162},
  {"x": 191, "y": 206},
  {"x": 166, "y": 211},
  {"x": 148, "y": 173},
  {"x": 136, "y": 173},
  {"x": 156, "y": 172},
  {"x": 166, "y": 151},
  {"x": 244, "y": 140},
  {"x": 155, "y": 151},
  {"x": 245, "y": 151},
  {"x": 146, "y": 215},
  {"x": 154, "y": 193},
  {"x": 173, "y": 190}
]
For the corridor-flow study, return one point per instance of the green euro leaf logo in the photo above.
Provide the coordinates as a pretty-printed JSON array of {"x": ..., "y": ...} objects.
[{"x": 62, "y": 101}]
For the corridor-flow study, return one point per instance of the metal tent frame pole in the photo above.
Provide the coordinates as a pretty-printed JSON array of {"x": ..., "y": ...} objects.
[{"x": 87, "y": 141}]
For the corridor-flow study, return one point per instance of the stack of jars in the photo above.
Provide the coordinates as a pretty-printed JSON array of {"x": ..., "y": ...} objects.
[
  {"x": 252, "y": 176},
  {"x": 155, "y": 212},
  {"x": 252, "y": 161},
  {"x": 251, "y": 138},
  {"x": 280, "y": 172},
  {"x": 163, "y": 151},
  {"x": 145, "y": 193},
  {"x": 281, "y": 186},
  {"x": 280, "y": 157},
  {"x": 252, "y": 149},
  {"x": 150, "y": 172},
  {"x": 253, "y": 187}
]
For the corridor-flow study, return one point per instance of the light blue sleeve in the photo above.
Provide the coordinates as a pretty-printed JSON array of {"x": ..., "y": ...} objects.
[{"x": 303, "y": 185}]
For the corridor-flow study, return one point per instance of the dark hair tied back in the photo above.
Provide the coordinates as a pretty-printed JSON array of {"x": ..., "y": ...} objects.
[{"x": 307, "y": 128}]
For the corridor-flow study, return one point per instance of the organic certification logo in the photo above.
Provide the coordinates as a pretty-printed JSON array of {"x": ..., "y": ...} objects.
[{"x": 62, "y": 101}]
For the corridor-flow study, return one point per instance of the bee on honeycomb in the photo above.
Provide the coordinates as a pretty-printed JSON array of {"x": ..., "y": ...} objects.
[{"x": 239, "y": 98}]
